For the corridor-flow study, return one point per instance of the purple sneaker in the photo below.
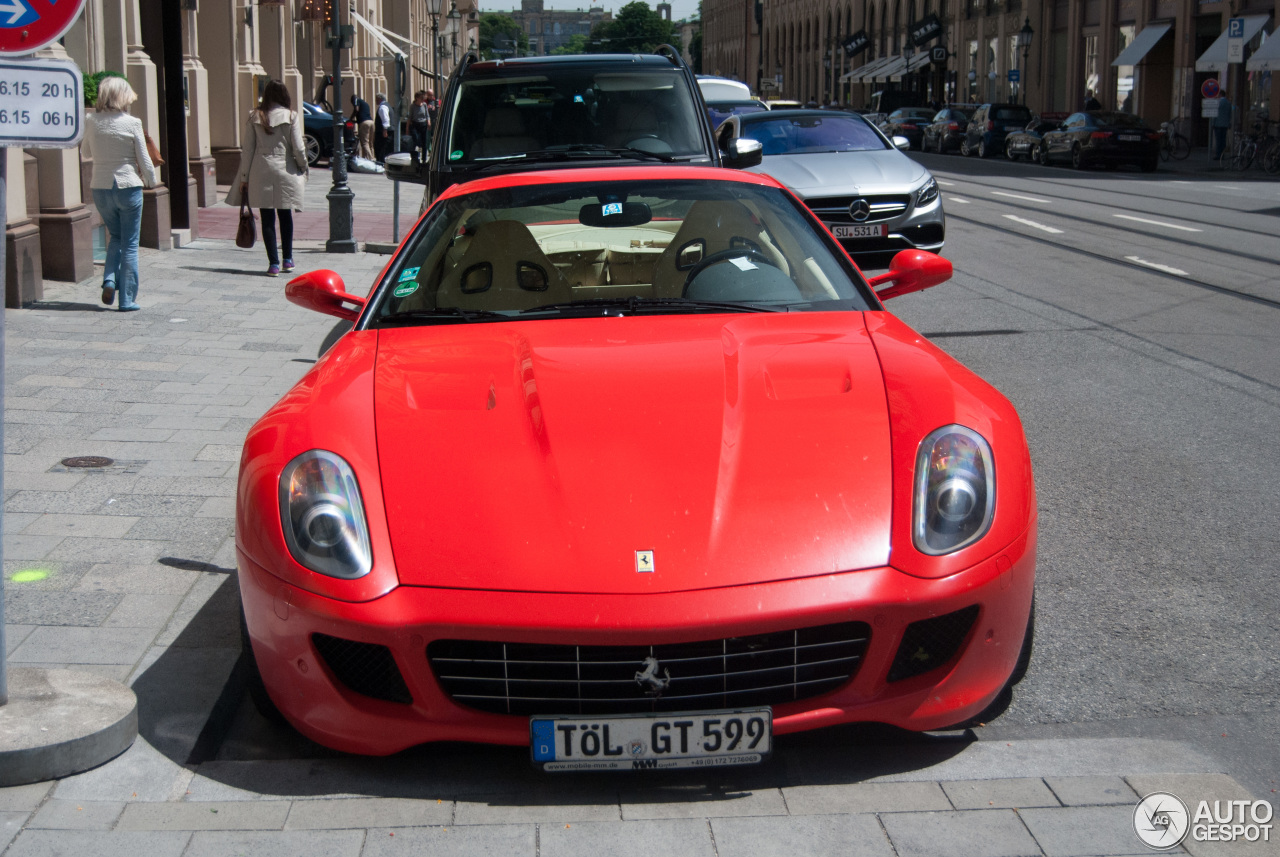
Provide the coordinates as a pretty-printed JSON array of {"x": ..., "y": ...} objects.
[
  {"x": 288, "y": 265},
  {"x": 273, "y": 270}
]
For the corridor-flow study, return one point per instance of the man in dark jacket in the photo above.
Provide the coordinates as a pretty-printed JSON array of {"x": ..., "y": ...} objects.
[{"x": 363, "y": 117}]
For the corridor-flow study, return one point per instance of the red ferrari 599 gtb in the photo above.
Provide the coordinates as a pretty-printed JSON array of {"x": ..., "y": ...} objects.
[{"x": 632, "y": 467}]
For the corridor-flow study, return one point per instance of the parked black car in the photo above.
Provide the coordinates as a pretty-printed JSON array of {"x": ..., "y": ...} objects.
[
  {"x": 1026, "y": 143},
  {"x": 908, "y": 122},
  {"x": 317, "y": 132},
  {"x": 990, "y": 124},
  {"x": 718, "y": 111},
  {"x": 946, "y": 131},
  {"x": 1102, "y": 137},
  {"x": 583, "y": 110}
]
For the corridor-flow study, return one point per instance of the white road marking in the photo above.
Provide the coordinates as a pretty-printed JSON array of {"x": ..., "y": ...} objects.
[
  {"x": 1157, "y": 266},
  {"x": 941, "y": 182},
  {"x": 1018, "y": 196},
  {"x": 1177, "y": 181},
  {"x": 957, "y": 199},
  {"x": 1227, "y": 187},
  {"x": 1156, "y": 223},
  {"x": 1032, "y": 223}
]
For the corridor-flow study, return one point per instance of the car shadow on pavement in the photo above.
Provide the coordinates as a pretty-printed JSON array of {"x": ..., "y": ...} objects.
[{"x": 194, "y": 707}]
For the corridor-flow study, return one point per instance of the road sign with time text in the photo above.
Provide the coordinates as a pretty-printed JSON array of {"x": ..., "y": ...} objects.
[
  {"x": 41, "y": 103},
  {"x": 27, "y": 26}
]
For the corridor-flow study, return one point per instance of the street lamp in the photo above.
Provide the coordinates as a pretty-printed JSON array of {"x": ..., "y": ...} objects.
[
  {"x": 1024, "y": 38},
  {"x": 341, "y": 198},
  {"x": 433, "y": 9}
]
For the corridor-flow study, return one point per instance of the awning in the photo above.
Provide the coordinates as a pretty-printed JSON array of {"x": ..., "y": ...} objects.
[
  {"x": 1142, "y": 45},
  {"x": 892, "y": 71},
  {"x": 1215, "y": 59},
  {"x": 377, "y": 36},
  {"x": 1267, "y": 57},
  {"x": 859, "y": 74},
  {"x": 918, "y": 60}
]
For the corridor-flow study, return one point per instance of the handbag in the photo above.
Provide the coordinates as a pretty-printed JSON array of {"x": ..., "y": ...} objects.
[
  {"x": 248, "y": 231},
  {"x": 153, "y": 151}
]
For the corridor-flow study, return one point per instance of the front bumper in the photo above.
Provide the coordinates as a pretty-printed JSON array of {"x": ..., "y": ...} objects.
[
  {"x": 282, "y": 620},
  {"x": 922, "y": 227}
]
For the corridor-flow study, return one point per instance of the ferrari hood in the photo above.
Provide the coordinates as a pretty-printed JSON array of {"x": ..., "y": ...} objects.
[
  {"x": 634, "y": 454},
  {"x": 837, "y": 173}
]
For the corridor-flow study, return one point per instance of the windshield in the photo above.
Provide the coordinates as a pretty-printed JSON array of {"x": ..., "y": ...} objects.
[
  {"x": 719, "y": 111},
  {"x": 1122, "y": 120},
  {"x": 503, "y": 116},
  {"x": 911, "y": 114},
  {"x": 1021, "y": 115},
  {"x": 835, "y": 132},
  {"x": 633, "y": 247}
]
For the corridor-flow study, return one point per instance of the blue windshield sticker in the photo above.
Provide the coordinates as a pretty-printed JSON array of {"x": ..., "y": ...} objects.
[
  {"x": 577, "y": 99},
  {"x": 408, "y": 274},
  {"x": 611, "y": 208}
]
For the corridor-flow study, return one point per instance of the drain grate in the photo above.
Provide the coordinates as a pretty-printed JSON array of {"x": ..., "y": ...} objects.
[{"x": 88, "y": 461}]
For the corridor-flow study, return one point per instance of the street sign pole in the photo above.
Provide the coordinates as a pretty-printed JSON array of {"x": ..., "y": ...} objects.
[
  {"x": 341, "y": 198},
  {"x": 4, "y": 266}
]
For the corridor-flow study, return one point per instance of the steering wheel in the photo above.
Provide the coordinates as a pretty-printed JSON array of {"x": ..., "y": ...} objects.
[{"x": 724, "y": 256}]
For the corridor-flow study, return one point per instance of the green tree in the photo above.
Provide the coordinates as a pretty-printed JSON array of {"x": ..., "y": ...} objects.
[
  {"x": 577, "y": 44},
  {"x": 497, "y": 32},
  {"x": 695, "y": 44},
  {"x": 636, "y": 29}
]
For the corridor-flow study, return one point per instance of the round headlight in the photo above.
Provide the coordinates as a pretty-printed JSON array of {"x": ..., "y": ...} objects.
[
  {"x": 955, "y": 490},
  {"x": 323, "y": 516}
]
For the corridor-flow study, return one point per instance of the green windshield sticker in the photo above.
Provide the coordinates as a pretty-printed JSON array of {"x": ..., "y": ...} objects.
[
  {"x": 403, "y": 291},
  {"x": 455, "y": 155},
  {"x": 408, "y": 274}
]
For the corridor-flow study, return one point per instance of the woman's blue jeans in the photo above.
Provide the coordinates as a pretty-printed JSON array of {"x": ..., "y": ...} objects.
[{"x": 121, "y": 212}]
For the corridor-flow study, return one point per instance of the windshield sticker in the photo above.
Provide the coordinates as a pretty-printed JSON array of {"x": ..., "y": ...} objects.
[
  {"x": 577, "y": 99},
  {"x": 408, "y": 274},
  {"x": 405, "y": 289},
  {"x": 611, "y": 208},
  {"x": 743, "y": 264},
  {"x": 455, "y": 155}
]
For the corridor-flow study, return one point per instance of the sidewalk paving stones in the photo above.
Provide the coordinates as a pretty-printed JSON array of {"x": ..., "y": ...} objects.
[
  {"x": 10, "y": 824},
  {"x": 704, "y": 803},
  {"x": 202, "y": 815},
  {"x": 814, "y": 836},
  {"x": 61, "y": 843},
  {"x": 517, "y": 840},
  {"x": 1084, "y": 831},
  {"x": 984, "y": 833},
  {"x": 676, "y": 837},
  {"x": 865, "y": 797},
  {"x": 77, "y": 815},
  {"x": 1001, "y": 794},
  {"x": 291, "y": 843},
  {"x": 1092, "y": 791},
  {"x": 359, "y": 813}
]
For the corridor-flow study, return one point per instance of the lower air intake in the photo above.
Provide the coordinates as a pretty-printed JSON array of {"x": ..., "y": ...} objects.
[
  {"x": 366, "y": 668},
  {"x": 930, "y": 643}
]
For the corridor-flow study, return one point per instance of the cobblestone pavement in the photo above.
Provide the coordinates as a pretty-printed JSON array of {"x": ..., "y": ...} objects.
[{"x": 128, "y": 571}]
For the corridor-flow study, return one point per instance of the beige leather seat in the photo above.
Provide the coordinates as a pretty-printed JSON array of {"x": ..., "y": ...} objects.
[
  {"x": 503, "y": 269},
  {"x": 715, "y": 224},
  {"x": 504, "y": 134}
]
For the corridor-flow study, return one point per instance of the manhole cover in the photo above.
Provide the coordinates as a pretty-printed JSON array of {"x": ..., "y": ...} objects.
[{"x": 87, "y": 461}]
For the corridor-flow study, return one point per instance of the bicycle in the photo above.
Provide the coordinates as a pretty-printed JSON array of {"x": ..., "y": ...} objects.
[
  {"x": 1269, "y": 154},
  {"x": 1172, "y": 144},
  {"x": 1241, "y": 150}
]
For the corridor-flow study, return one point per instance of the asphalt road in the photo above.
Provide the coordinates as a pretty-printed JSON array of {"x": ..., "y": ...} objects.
[{"x": 1133, "y": 321}]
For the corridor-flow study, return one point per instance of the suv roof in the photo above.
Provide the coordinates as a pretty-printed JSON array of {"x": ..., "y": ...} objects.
[{"x": 583, "y": 110}]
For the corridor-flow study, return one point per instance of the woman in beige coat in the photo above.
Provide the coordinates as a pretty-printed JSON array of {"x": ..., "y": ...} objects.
[{"x": 273, "y": 170}]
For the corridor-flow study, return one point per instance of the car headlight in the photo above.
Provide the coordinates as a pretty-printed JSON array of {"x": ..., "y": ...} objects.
[
  {"x": 955, "y": 490},
  {"x": 927, "y": 192},
  {"x": 323, "y": 516}
]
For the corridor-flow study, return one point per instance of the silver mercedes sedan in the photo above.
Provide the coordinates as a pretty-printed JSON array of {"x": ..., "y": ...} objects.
[{"x": 874, "y": 199}]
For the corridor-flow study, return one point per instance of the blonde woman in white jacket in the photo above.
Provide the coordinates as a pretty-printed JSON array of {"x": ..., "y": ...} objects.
[
  {"x": 273, "y": 170},
  {"x": 121, "y": 169}
]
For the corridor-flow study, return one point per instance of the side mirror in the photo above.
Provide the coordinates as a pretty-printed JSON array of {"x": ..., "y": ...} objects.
[
  {"x": 742, "y": 153},
  {"x": 911, "y": 271},
  {"x": 403, "y": 167},
  {"x": 901, "y": 143},
  {"x": 324, "y": 291}
]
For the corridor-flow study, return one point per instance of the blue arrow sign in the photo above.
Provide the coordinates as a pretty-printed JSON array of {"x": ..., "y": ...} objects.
[{"x": 17, "y": 13}]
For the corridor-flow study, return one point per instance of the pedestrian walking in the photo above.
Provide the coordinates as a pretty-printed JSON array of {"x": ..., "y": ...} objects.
[
  {"x": 382, "y": 128},
  {"x": 420, "y": 123},
  {"x": 273, "y": 170},
  {"x": 1091, "y": 102},
  {"x": 363, "y": 118},
  {"x": 433, "y": 106},
  {"x": 1222, "y": 123},
  {"x": 121, "y": 169}
]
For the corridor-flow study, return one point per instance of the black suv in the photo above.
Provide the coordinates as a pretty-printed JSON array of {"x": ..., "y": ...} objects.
[
  {"x": 990, "y": 124},
  {"x": 504, "y": 116}
]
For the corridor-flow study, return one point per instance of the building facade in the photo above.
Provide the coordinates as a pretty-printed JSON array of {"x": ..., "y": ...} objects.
[
  {"x": 549, "y": 29},
  {"x": 198, "y": 67},
  {"x": 1150, "y": 57}
]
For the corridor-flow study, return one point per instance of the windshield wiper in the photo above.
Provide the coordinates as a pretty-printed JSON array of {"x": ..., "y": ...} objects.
[
  {"x": 452, "y": 313},
  {"x": 633, "y": 152},
  {"x": 637, "y": 304},
  {"x": 571, "y": 151}
]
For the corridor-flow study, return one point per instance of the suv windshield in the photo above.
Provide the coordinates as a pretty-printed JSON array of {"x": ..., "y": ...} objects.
[
  {"x": 1021, "y": 115},
  {"x": 632, "y": 247},
  {"x": 506, "y": 113},
  {"x": 835, "y": 132}
]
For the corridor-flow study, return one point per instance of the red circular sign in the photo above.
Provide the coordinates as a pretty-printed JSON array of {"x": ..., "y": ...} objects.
[
  {"x": 27, "y": 26},
  {"x": 1209, "y": 89}
]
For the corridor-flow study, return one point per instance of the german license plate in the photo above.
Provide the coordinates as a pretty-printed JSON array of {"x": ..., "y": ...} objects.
[
  {"x": 652, "y": 741},
  {"x": 1011, "y": 128},
  {"x": 861, "y": 230},
  {"x": 1130, "y": 138}
]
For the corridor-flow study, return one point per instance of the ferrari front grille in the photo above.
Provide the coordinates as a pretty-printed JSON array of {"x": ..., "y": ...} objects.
[
  {"x": 765, "y": 669},
  {"x": 366, "y": 668}
]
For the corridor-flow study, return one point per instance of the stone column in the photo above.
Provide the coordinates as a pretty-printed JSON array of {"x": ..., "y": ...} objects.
[
  {"x": 279, "y": 51},
  {"x": 157, "y": 230},
  {"x": 66, "y": 239},
  {"x": 24, "y": 283},
  {"x": 199, "y": 156},
  {"x": 216, "y": 45}
]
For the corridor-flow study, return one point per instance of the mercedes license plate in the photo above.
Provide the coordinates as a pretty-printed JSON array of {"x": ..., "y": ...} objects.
[
  {"x": 861, "y": 230},
  {"x": 1130, "y": 138},
  {"x": 652, "y": 741}
]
